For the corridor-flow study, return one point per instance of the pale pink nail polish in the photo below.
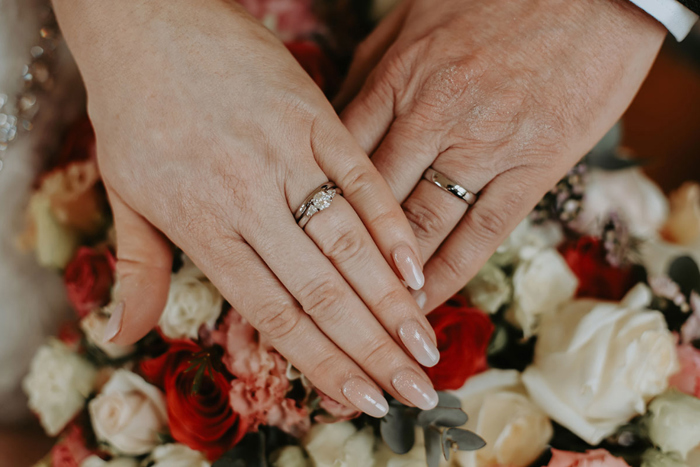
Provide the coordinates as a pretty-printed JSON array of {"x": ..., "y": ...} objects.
[
  {"x": 420, "y": 297},
  {"x": 365, "y": 397},
  {"x": 418, "y": 342},
  {"x": 409, "y": 267},
  {"x": 114, "y": 325},
  {"x": 415, "y": 389}
]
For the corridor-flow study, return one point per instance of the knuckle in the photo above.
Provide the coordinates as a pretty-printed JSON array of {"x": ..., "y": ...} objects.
[
  {"x": 346, "y": 244},
  {"x": 491, "y": 223},
  {"x": 452, "y": 267},
  {"x": 391, "y": 300},
  {"x": 322, "y": 299},
  {"x": 359, "y": 179},
  {"x": 276, "y": 320},
  {"x": 425, "y": 218},
  {"x": 324, "y": 370},
  {"x": 380, "y": 354}
]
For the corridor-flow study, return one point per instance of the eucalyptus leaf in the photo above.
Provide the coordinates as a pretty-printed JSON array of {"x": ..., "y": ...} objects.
[
  {"x": 442, "y": 416},
  {"x": 685, "y": 272},
  {"x": 433, "y": 446},
  {"x": 398, "y": 430},
  {"x": 463, "y": 440},
  {"x": 446, "y": 399}
]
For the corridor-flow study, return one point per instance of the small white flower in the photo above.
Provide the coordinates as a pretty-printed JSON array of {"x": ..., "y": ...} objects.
[
  {"x": 490, "y": 289},
  {"x": 340, "y": 444},
  {"x": 176, "y": 455},
  {"x": 93, "y": 325},
  {"x": 129, "y": 414},
  {"x": 94, "y": 461},
  {"x": 527, "y": 240},
  {"x": 673, "y": 423},
  {"x": 540, "y": 286},
  {"x": 193, "y": 301},
  {"x": 290, "y": 456},
  {"x": 597, "y": 364},
  {"x": 58, "y": 385},
  {"x": 516, "y": 431}
]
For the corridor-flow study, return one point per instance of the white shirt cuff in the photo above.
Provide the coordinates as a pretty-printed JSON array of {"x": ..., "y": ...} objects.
[{"x": 675, "y": 16}]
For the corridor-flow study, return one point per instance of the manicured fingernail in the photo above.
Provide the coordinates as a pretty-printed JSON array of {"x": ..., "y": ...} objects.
[
  {"x": 415, "y": 389},
  {"x": 114, "y": 325},
  {"x": 417, "y": 341},
  {"x": 420, "y": 297},
  {"x": 409, "y": 267},
  {"x": 365, "y": 397}
]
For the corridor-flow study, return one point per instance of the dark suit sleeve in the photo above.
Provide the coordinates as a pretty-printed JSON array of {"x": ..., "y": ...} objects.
[{"x": 693, "y": 5}]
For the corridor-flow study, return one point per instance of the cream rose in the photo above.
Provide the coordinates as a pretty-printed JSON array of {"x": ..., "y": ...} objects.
[
  {"x": 628, "y": 193},
  {"x": 129, "y": 414},
  {"x": 93, "y": 325},
  {"x": 192, "y": 302},
  {"x": 516, "y": 431},
  {"x": 290, "y": 456},
  {"x": 527, "y": 240},
  {"x": 597, "y": 364},
  {"x": 94, "y": 461},
  {"x": 176, "y": 455},
  {"x": 673, "y": 423},
  {"x": 490, "y": 289},
  {"x": 654, "y": 458},
  {"x": 334, "y": 444},
  {"x": 58, "y": 385},
  {"x": 540, "y": 286}
]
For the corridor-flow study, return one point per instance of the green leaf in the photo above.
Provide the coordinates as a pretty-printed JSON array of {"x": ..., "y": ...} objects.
[
  {"x": 462, "y": 440},
  {"x": 442, "y": 416},
  {"x": 398, "y": 430},
  {"x": 433, "y": 446},
  {"x": 446, "y": 399}
]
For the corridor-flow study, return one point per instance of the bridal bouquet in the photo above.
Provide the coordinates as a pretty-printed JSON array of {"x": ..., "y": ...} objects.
[{"x": 577, "y": 344}]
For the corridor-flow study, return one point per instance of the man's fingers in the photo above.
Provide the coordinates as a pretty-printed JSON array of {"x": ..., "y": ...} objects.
[
  {"x": 144, "y": 264},
  {"x": 501, "y": 206}
]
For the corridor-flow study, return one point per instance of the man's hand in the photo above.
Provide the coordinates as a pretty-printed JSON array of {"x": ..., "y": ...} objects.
[{"x": 501, "y": 96}]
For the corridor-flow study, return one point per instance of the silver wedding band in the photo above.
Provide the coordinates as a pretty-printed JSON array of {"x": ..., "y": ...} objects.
[
  {"x": 449, "y": 186},
  {"x": 319, "y": 199}
]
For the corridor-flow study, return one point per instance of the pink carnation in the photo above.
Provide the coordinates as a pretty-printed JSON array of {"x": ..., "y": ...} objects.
[
  {"x": 335, "y": 411},
  {"x": 596, "y": 458},
  {"x": 259, "y": 392},
  {"x": 687, "y": 380},
  {"x": 71, "y": 450},
  {"x": 289, "y": 19}
]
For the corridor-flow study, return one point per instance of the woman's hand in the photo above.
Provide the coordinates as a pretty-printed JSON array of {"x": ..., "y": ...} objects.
[
  {"x": 502, "y": 97},
  {"x": 209, "y": 132}
]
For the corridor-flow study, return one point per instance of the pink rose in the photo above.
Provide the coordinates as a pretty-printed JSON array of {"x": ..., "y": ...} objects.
[
  {"x": 335, "y": 411},
  {"x": 687, "y": 380},
  {"x": 596, "y": 458},
  {"x": 289, "y": 19}
]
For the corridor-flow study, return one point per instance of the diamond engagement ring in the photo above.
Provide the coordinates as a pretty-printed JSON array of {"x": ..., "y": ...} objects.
[
  {"x": 317, "y": 201},
  {"x": 449, "y": 186}
]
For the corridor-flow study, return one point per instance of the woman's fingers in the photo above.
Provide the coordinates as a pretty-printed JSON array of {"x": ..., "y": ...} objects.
[
  {"x": 334, "y": 306},
  {"x": 259, "y": 297},
  {"x": 144, "y": 264},
  {"x": 501, "y": 206},
  {"x": 340, "y": 158},
  {"x": 340, "y": 235}
]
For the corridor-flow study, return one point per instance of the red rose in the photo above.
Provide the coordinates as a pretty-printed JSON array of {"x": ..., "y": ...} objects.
[
  {"x": 316, "y": 63},
  {"x": 463, "y": 335},
  {"x": 202, "y": 419},
  {"x": 597, "y": 277},
  {"x": 88, "y": 279}
]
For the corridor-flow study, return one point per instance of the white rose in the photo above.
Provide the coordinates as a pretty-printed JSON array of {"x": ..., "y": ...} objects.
[
  {"x": 490, "y": 289},
  {"x": 192, "y": 302},
  {"x": 176, "y": 455},
  {"x": 654, "y": 458},
  {"x": 516, "y": 431},
  {"x": 54, "y": 242},
  {"x": 290, "y": 456},
  {"x": 416, "y": 457},
  {"x": 597, "y": 364},
  {"x": 628, "y": 193},
  {"x": 540, "y": 286},
  {"x": 657, "y": 255},
  {"x": 673, "y": 423},
  {"x": 94, "y": 461},
  {"x": 527, "y": 240},
  {"x": 93, "y": 325},
  {"x": 58, "y": 385},
  {"x": 129, "y": 414},
  {"x": 340, "y": 445}
]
